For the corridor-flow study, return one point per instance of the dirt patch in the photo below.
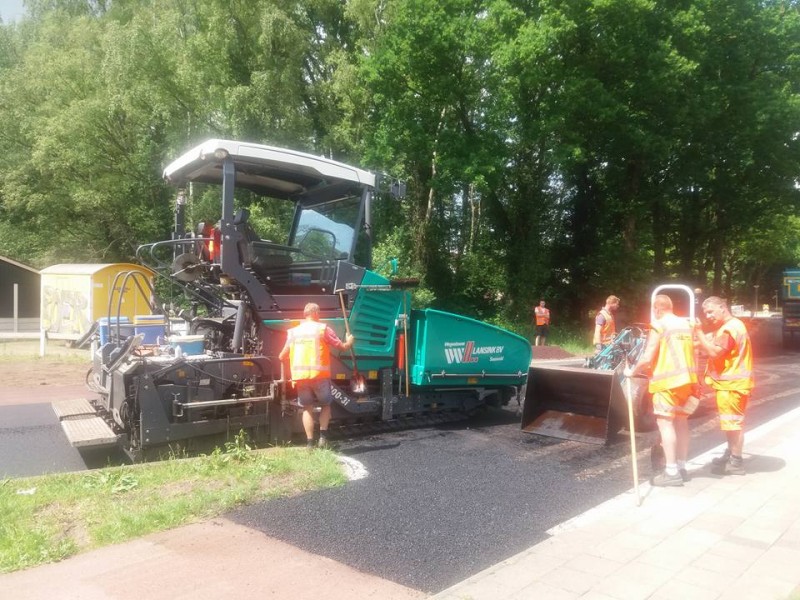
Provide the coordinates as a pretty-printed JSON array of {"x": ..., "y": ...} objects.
[
  {"x": 33, "y": 372},
  {"x": 550, "y": 353},
  {"x": 21, "y": 366}
]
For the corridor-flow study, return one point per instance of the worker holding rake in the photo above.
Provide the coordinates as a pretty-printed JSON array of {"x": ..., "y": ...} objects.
[{"x": 669, "y": 352}]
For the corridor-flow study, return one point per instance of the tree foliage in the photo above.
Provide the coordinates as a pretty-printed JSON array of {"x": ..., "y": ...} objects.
[{"x": 557, "y": 149}]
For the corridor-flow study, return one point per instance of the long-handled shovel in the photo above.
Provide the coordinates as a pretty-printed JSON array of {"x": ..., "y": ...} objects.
[
  {"x": 634, "y": 464},
  {"x": 357, "y": 383}
]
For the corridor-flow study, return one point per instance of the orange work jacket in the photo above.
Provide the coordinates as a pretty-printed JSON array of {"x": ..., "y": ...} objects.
[
  {"x": 734, "y": 371},
  {"x": 309, "y": 356},
  {"x": 542, "y": 315},
  {"x": 675, "y": 364}
]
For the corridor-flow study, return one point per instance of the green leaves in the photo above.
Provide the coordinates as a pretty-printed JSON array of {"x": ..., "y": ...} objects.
[{"x": 565, "y": 148}]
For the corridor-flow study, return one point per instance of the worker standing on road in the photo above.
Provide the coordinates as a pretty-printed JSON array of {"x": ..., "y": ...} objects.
[
  {"x": 604, "y": 326},
  {"x": 730, "y": 373},
  {"x": 670, "y": 353},
  {"x": 308, "y": 349},
  {"x": 542, "y": 316}
]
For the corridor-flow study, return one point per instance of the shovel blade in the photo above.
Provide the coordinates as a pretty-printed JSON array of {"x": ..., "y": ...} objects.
[
  {"x": 575, "y": 403},
  {"x": 358, "y": 385}
]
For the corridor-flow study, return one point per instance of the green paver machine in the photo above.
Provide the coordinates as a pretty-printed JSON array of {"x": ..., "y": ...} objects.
[{"x": 222, "y": 373}]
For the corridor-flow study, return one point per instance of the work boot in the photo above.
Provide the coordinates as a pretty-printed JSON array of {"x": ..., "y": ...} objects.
[
  {"x": 734, "y": 466},
  {"x": 720, "y": 461},
  {"x": 663, "y": 479},
  {"x": 684, "y": 475},
  {"x": 323, "y": 441},
  {"x": 309, "y": 444},
  {"x": 718, "y": 464}
]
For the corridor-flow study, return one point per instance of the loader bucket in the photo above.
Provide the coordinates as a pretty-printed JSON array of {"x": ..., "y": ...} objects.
[{"x": 577, "y": 403}]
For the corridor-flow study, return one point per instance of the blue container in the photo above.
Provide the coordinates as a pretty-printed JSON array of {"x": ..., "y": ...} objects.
[
  {"x": 188, "y": 344},
  {"x": 151, "y": 332},
  {"x": 105, "y": 335}
]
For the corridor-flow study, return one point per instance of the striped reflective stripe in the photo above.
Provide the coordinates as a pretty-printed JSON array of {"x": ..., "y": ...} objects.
[{"x": 308, "y": 368}]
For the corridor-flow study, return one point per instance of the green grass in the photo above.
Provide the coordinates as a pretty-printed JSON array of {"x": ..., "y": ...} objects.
[
  {"x": 577, "y": 343},
  {"x": 52, "y": 517}
]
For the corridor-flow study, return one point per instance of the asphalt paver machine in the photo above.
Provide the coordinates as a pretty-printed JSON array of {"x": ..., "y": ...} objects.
[{"x": 242, "y": 294}]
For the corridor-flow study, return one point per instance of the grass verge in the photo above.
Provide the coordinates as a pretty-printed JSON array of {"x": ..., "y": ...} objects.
[
  {"x": 574, "y": 342},
  {"x": 52, "y": 517}
]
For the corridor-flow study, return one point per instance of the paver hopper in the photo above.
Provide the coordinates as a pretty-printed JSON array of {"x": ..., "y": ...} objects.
[{"x": 587, "y": 403}]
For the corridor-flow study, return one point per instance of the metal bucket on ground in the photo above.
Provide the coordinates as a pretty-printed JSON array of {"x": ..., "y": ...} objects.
[{"x": 587, "y": 404}]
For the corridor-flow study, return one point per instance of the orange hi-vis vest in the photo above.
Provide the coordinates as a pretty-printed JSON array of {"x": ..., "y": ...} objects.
[
  {"x": 309, "y": 357},
  {"x": 675, "y": 364},
  {"x": 609, "y": 329},
  {"x": 542, "y": 315},
  {"x": 734, "y": 371}
]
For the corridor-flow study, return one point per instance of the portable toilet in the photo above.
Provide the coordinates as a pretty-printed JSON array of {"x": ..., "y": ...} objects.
[{"x": 74, "y": 296}]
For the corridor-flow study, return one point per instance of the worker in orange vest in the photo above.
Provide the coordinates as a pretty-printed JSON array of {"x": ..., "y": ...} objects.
[
  {"x": 308, "y": 349},
  {"x": 542, "y": 319},
  {"x": 604, "y": 326},
  {"x": 730, "y": 373},
  {"x": 669, "y": 352}
]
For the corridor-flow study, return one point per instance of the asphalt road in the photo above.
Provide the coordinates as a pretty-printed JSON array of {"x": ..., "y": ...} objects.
[{"x": 32, "y": 442}]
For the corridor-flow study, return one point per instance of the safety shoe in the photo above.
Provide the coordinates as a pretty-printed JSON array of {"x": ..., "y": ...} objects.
[
  {"x": 323, "y": 442},
  {"x": 684, "y": 475},
  {"x": 734, "y": 466},
  {"x": 663, "y": 479},
  {"x": 720, "y": 461},
  {"x": 309, "y": 444}
]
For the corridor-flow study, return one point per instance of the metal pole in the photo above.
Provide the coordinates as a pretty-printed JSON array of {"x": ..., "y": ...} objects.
[
  {"x": 755, "y": 308},
  {"x": 16, "y": 307},
  {"x": 405, "y": 338},
  {"x": 634, "y": 464}
]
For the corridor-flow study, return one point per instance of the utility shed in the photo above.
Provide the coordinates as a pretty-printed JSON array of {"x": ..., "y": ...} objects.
[
  {"x": 74, "y": 296},
  {"x": 20, "y": 286}
]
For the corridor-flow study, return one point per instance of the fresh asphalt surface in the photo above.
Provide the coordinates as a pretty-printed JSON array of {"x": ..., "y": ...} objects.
[
  {"x": 439, "y": 503},
  {"x": 32, "y": 442}
]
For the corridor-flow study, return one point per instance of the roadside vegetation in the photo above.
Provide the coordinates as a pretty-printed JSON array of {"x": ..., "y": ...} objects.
[
  {"x": 556, "y": 150},
  {"x": 53, "y": 517},
  {"x": 572, "y": 340}
]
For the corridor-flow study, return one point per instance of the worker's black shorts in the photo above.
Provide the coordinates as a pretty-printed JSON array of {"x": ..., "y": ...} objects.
[
  {"x": 542, "y": 330},
  {"x": 314, "y": 392}
]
